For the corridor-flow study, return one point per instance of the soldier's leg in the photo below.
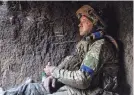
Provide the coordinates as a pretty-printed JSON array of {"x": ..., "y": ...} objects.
[
  {"x": 67, "y": 90},
  {"x": 27, "y": 89},
  {"x": 35, "y": 89},
  {"x": 38, "y": 89}
]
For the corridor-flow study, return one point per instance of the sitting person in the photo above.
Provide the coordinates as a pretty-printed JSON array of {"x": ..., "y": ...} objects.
[{"x": 92, "y": 70}]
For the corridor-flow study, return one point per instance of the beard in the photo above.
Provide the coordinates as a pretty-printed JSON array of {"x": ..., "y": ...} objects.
[{"x": 84, "y": 32}]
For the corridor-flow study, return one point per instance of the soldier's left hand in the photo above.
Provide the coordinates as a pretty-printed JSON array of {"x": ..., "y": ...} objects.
[{"x": 48, "y": 69}]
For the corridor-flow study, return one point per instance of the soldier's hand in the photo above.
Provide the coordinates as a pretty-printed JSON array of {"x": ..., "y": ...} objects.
[
  {"x": 47, "y": 83},
  {"x": 48, "y": 69}
]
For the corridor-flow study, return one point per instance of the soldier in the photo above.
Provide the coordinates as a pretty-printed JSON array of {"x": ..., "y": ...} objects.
[{"x": 92, "y": 70}]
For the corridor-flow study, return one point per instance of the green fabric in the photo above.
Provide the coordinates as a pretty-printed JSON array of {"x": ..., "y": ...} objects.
[{"x": 90, "y": 62}]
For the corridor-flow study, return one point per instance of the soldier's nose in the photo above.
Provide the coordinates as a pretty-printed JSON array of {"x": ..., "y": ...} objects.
[{"x": 80, "y": 25}]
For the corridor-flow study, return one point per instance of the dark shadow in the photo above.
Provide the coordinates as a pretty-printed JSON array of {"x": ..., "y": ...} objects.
[
  {"x": 123, "y": 87},
  {"x": 1, "y": 2},
  {"x": 111, "y": 17}
]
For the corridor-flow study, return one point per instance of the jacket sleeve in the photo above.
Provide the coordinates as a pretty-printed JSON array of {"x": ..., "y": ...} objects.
[
  {"x": 80, "y": 78},
  {"x": 68, "y": 62}
]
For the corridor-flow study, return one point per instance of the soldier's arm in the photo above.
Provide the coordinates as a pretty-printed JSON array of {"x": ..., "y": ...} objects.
[
  {"x": 71, "y": 59},
  {"x": 82, "y": 77}
]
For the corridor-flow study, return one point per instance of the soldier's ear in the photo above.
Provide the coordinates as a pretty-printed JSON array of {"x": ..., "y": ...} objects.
[{"x": 89, "y": 22}]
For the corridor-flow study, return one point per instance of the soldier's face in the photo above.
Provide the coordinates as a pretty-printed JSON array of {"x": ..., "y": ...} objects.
[{"x": 85, "y": 26}]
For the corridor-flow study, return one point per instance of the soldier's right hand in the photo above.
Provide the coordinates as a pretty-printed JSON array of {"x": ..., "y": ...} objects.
[{"x": 47, "y": 83}]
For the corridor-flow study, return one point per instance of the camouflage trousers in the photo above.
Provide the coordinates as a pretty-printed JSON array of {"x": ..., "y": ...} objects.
[
  {"x": 38, "y": 89},
  {"x": 32, "y": 89}
]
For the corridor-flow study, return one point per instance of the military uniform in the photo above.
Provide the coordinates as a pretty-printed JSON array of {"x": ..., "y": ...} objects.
[
  {"x": 93, "y": 69},
  {"x": 95, "y": 56}
]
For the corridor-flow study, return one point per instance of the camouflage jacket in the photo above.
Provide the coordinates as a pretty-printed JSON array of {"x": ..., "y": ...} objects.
[{"x": 81, "y": 70}]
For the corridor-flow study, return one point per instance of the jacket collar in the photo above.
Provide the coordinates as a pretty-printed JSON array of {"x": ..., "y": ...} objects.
[{"x": 94, "y": 35}]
